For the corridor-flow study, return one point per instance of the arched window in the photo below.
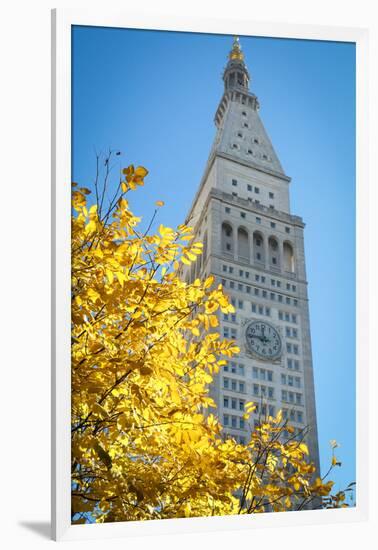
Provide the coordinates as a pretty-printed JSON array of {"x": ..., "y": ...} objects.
[
  {"x": 258, "y": 247},
  {"x": 288, "y": 257},
  {"x": 243, "y": 245},
  {"x": 227, "y": 239},
  {"x": 274, "y": 253}
]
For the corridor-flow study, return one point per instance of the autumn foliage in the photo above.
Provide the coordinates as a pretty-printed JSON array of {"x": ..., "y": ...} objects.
[{"x": 146, "y": 440}]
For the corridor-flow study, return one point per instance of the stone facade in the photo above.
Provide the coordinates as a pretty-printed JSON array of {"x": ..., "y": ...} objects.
[{"x": 254, "y": 246}]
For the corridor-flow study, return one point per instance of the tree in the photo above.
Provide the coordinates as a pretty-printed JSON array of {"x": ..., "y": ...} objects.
[{"x": 145, "y": 442}]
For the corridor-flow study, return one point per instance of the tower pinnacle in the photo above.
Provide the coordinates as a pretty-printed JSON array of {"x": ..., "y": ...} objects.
[{"x": 236, "y": 76}]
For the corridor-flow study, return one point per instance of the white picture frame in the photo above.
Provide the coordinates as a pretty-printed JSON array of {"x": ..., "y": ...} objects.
[{"x": 62, "y": 21}]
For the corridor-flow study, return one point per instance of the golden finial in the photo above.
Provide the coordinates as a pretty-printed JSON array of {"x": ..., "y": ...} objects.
[{"x": 236, "y": 52}]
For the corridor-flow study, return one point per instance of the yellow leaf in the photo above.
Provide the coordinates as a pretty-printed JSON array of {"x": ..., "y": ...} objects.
[{"x": 159, "y": 203}]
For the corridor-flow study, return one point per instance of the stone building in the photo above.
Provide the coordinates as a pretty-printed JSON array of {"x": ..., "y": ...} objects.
[{"x": 254, "y": 246}]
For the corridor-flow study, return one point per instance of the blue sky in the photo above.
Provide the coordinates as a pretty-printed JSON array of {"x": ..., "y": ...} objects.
[{"x": 153, "y": 95}]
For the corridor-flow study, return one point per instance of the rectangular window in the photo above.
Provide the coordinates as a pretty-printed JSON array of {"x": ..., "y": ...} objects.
[
  {"x": 254, "y": 308},
  {"x": 225, "y": 402},
  {"x": 295, "y": 302},
  {"x": 234, "y": 194},
  {"x": 288, "y": 332},
  {"x": 273, "y": 282},
  {"x": 257, "y": 278},
  {"x": 291, "y": 397},
  {"x": 249, "y": 187},
  {"x": 240, "y": 304},
  {"x": 296, "y": 365},
  {"x": 284, "y": 395},
  {"x": 271, "y": 410},
  {"x": 224, "y": 282},
  {"x": 241, "y": 405},
  {"x": 233, "y": 403},
  {"x": 279, "y": 284},
  {"x": 234, "y": 182},
  {"x": 280, "y": 298},
  {"x": 283, "y": 379},
  {"x": 230, "y": 269},
  {"x": 267, "y": 311},
  {"x": 300, "y": 416},
  {"x": 226, "y": 383},
  {"x": 241, "y": 273},
  {"x": 232, "y": 284},
  {"x": 264, "y": 293},
  {"x": 289, "y": 363},
  {"x": 225, "y": 419},
  {"x": 295, "y": 333},
  {"x": 288, "y": 300},
  {"x": 233, "y": 385},
  {"x": 256, "y": 291},
  {"x": 255, "y": 389},
  {"x": 241, "y": 423},
  {"x": 263, "y": 391},
  {"x": 257, "y": 190},
  {"x": 255, "y": 372},
  {"x": 233, "y": 368},
  {"x": 271, "y": 195},
  {"x": 224, "y": 267},
  {"x": 247, "y": 274},
  {"x": 258, "y": 220},
  {"x": 295, "y": 349},
  {"x": 240, "y": 287},
  {"x": 226, "y": 332},
  {"x": 233, "y": 333},
  {"x": 287, "y": 229},
  {"x": 261, "y": 310},
  {"x": 288, "y": 348},
  {"x": 248, "y": 289},
  {"x": 228, "y": 247},
  {"x": 294, "y": 288},
  {"x": 298, "y": 398},
  {"x": 241, "y": 387},
  {"x": 225, "y": 316},
  {"x": 228, "y": 210},
  {"x": 287, "y": 286},
  {"x": 290, "y": 381},
  {"x": 280, "y": 315},
  {"x": 233, "y": 421},
  {"x": 242, "y": 215},
  {"x": 241, "y": 369},
  {"x": 293, "y": 318},
  {"x": 272, "y": 225},
  {"x": 287, "y": 317},
  {"x": 258, "y": 256},
  {"x": 262, "y": 374},
  {"x": 272, "y": 296},
  {"x": 262, "y": 279},
  {"x": 271, "y": 392}
]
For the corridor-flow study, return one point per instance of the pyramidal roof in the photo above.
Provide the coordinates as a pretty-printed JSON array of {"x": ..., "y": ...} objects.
[{"x": 241, "y": 135}]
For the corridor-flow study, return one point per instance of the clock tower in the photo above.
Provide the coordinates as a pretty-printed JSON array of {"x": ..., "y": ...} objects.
[{"x": 254, "y": 247}]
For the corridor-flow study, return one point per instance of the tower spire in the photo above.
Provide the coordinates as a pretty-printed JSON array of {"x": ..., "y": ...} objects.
[{"x": 236, "y": 76}]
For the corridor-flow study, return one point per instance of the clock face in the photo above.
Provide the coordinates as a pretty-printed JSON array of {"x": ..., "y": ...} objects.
[{"x": 263, "y": 340}]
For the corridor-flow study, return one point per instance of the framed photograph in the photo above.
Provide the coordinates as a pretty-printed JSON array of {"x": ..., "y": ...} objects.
[{"x": 209, "y": 308}]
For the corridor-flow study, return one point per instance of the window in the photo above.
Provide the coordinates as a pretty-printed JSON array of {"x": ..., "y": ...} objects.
[
  {"x": 295, "y": 302},
  {"x": 228, "y": 247},
  {"x": 272, "y": 225},
  {"x": 257, "y": 190},
  {"x": 249, "y": 151},
  {"x": 265, "y": 157},
  {"x": 253, "y": 308},
  {"x": 288, "y": 348},
  {"x": 255, "y": 372},
  {"x": 255, "y": 140},
  {"x": 287, "y": 286},
  {"x": 264, "y": 293},
  {"x": 247, "y": 274},
  {"x": 228, "y": 211},
  {"x": 263, "y": 391},
  {"x": 290, "y": 381},
  {"x": 230, "y": 269},
  {"x": 232, "y": 284},
  {"x": 226, "y": 332},
  {"x": 269, "y": 375},
  {"x": 245, "y": 124},
  {"x": 242, "y": 215},
  {"x": 234, "y": 183},
  {"x": 283, "y": 379},
  {"x": 225, "y": 419},
  {"x": 289, "y": 363},
  {"x": 287, "y": 229},
  {"x": 271, "y": 392},
  {"x": 288, "y": 300},
  {"x": 261, "y": 310},
  {"x": 234, "y": 146},
  {"x": 284, "y": 395},
  {"x": 255, "y": 389},
  {"x": 249, "y": 187},
  {"x": 297, "y": 381},
  {"x": 240, "y": 287},
  {"x": 262, "y": 374},
  {"x": 300, "y": 416},
  {"x": 271, "y": 195},
  {"x": 272, "y": 296},
  {"x": 256, "y": 291},
  {"x": 241, "y": 423},
  {"x": 294, "y": 288},
  {"x": 287, "y": 331},
  {"x": 240, "y": 304},
  {"x": 295, "y": 349},
  {"x": 233, "y": 421},
  {"x": 296, "y": 365},
  {"x": 241, "y": 273},
  {"x": 244, "y": 113},
  {"x": 233, "y": 385},
  {"x": 234, "y": 194},
  {"x": 271, "y": 410},
  {"x": 295, "y": 333},
  {"x": 272, "y": 282},
  {"x": 224, "y": 268},
  {"x": 225, "y": 402},
  {"x": 241, "y": 405},
  {"x": 279, "y": 284},
  {"x": 280, "y": 298},
  {"x": 233, "y": 333},
  {"x": 233, "y": 403},
  {"x": 274, "y": 260},
  {"x": 248, "y": 289},
  {"x": 226, "y": 383},
  {"x": 258, "y": 220},
  {"x": 257, "y": 202},
  {"x": 280, "y": 315},
  {"x": 267, "y": 311},
  {"x": 241, "y": 387},
  {"x": 257, "y": 278},
  {"x": 291, "y": 397},
  {"x": 287, "y": 317},
  {"x": 258, "y": 256},
  {"x": 263, "y": 279}
]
